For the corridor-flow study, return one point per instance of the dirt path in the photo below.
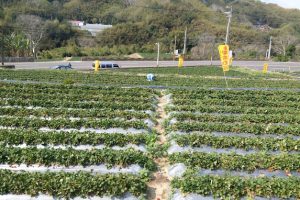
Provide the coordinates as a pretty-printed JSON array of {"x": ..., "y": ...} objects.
[{"x": 159, "y": 187}]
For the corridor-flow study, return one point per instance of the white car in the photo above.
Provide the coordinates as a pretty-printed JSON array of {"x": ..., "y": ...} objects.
[{"x": 107, "y": 65}]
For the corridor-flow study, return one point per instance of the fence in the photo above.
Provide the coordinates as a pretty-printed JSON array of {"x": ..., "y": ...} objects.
[{"x": 17, "y": 59}]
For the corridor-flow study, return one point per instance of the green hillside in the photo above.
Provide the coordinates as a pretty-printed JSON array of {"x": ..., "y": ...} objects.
[{"x": 139, "y": 24}]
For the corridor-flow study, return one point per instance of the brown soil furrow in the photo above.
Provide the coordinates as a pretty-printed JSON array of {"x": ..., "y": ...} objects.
[{"x": 159, "y": 187}]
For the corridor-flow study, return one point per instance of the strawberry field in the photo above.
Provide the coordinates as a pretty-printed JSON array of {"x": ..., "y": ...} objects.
[{"x": 114, "y": 135}]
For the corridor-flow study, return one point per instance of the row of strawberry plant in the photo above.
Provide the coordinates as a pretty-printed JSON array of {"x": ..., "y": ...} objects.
[
  {"x": 72, "y": 104},
  {"x": 77, "y": 98},
  {"x": 260, "y": 99},
  {"x": 19, "y": 137},
  {"x": 76, "y": 93},
  {"x": 238, "y": 102},
  {"x": 250, "y": 118},
  {"x": 250, "y": 162},
  {"x": 247, "y": 143},
  {"x": 233, "y": 187},
  {"x": 285, "y": 95},
  {"x": 70, "y": 185},
  {"x": 81, "y": 113},
  {"x": 254, "y": 128},
  {"x": 71, "y": 157},
  {"x": 82, "y": 78},
  {"x": 232, "y": 109},
  {"x": 36, "y": 123},
  {"x": 75, "y": 90}
]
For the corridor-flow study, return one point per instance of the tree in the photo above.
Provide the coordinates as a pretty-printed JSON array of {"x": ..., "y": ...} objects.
[
  {"x": 282, "y": 43},
  {"x": 34, "y": 29},
  {"x": 18, "y": 44},
  {"x": 291, "y": 51},
  {"x": 56, "y": 34},
  {"x": 2, "y": 45},
  {"x": 205, "y": 46},
  {"x": 287, "y": 38},
  {"x": 73, "y": 9},
  {"x": 4, "y": 40},
  {"x": 129, "y": 2}
]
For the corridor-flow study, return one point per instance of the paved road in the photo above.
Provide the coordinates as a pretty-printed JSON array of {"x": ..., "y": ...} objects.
[{"x": 86, "y": 65}]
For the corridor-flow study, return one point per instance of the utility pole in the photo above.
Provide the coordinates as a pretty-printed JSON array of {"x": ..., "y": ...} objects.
[
  {"x": 175, "y": 44},
  {"x": 212, "y": 52},
  {"x": 2, "y": 38},
  {"x": 2, "y": 47},
  {"x": 270, "y": 49},
  {"x": 229, "y": 15},
  {"x": 158, "y": 49},
  {"x": 185, "y": 41}
]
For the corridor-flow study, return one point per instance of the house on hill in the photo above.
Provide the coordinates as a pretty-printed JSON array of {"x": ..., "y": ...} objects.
[{"x": 92, "y": 28}]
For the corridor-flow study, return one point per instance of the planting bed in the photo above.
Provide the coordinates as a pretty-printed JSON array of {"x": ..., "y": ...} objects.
[
  {"x": 68, "y": 141},
  {"x": 234, "y": 144}
]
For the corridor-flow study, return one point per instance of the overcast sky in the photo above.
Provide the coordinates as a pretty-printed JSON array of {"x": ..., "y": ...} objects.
[{"x": 285, "y": 3}]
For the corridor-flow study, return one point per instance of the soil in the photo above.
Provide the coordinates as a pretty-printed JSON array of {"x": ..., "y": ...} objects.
[
  {"x": 135, "y": 56},
  {"x": 159, "y": 188}
]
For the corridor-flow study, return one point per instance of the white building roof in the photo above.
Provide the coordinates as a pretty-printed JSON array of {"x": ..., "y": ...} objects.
[{"x": 95, "y": 28}]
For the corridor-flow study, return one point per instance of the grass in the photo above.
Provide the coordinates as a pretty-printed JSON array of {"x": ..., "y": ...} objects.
[
  {"x": 48, "y": 60},
  {"x": 75, "y": 59},
  {"x": 153, "y": 56},
  {"x": 206, "y": 71}
]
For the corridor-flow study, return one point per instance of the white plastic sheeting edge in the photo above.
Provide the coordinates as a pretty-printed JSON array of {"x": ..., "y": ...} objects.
[
  {"x": 149, "y": 112},
  {"x": 179, "y": 196},
  {"x": 110, "y": 130},
  {"x": 84, "y": 147},
  {"x": 231, "y": 134},
  {"x": 47, "y": 197},
  {"x": 92, "y": 130},
  {"x": 175, "y": 148},
  {"x": 97, "y": 169},
  {"x": 178, "y": 170},
  {"x": 256, "y": 173}
]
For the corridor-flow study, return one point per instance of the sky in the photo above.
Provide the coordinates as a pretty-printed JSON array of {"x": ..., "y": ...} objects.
[{"x": 285, "y": 3}]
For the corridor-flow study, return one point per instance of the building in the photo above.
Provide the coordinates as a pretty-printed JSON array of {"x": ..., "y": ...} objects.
[
  {"x": 92, "y": 28},
  {"x": 76, "y": 23},
  {"x": 95, "y": 28}
]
